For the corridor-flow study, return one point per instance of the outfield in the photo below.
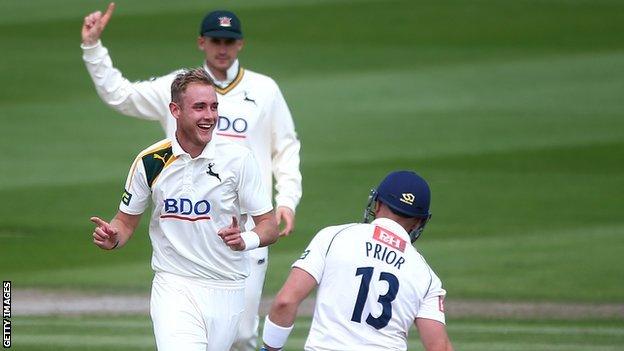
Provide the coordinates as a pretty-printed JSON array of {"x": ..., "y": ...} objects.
[
  {"x": 513, "y": 110},
  {"x": 99, "y": 333}
]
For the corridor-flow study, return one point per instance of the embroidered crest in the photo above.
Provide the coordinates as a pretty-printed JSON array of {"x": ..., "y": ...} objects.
[{"x": 225, "y": 21}]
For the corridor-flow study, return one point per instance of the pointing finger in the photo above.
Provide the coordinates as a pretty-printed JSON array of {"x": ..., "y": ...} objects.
[
  {"x": 98, "y": 221},
  {"x": 104, "y": 226},
  {"x": 108, "y": 14}
]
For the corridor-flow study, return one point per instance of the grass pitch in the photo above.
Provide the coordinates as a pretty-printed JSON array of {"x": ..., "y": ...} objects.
[
  {"x": 512, "y": 110},
  {"x": 102, "y": 333}
]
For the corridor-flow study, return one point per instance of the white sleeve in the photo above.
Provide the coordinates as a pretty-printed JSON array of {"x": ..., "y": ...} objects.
[
  {"x": 285, "y": 148},
  {"x": 312, "y": 260},
  {"x": 143, "y": 99},
  {"x": 432, "y": 306},
  {"x": 137, "y": 192},
  {"x": 253, "y": 200}
]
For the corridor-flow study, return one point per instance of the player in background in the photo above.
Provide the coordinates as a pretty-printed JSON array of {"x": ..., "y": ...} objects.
[
  {"x": 252, "y": 112},
  {"x": 372, "y": 284},
  {"x": 198, "y": 185}
]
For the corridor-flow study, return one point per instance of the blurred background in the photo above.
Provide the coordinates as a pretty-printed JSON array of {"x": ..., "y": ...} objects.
[{"x": 512, "y": 110}]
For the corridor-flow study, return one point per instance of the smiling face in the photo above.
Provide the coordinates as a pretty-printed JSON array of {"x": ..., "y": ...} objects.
[{"x": 196, "y": 117}]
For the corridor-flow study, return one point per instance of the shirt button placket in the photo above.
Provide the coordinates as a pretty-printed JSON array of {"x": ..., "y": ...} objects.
[{"x": 187, "y": 182}]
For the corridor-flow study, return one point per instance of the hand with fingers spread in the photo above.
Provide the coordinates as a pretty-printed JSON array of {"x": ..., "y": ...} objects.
[
  {"x": 94, "y": 24},
  {"x": 231, "y": 236},
  {"x": 288, "y": 216},
  {"x": 105, "y": 236}
]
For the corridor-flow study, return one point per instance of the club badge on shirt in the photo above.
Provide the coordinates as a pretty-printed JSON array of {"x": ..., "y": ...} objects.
[{"x": 210, "y": 172}]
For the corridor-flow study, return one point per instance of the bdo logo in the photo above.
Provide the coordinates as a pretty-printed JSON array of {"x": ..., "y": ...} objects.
[
  {"x": 186, "y": 207},
  {"x": 238, "y": 125}
]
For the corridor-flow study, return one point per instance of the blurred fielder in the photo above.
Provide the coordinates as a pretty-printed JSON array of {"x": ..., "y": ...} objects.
[
  {"x": 252, "y": 112},
  {"x": 372, "y": 283},
  {"x": 198, "y": 185}
]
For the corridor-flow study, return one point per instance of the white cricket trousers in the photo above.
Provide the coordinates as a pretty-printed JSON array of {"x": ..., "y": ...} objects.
[
  {"x": 247, "y": 337},
  {"x": 195, "y": 315}
]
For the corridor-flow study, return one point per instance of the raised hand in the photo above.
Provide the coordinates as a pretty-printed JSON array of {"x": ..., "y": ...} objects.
[
  {"x": 105, "y": 236},
  {"x": 231, "y": 236},
  {"x": 94, "y": 24}
]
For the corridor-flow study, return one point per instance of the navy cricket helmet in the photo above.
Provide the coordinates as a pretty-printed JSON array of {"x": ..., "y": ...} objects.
[{"x": 407, "y": 194}]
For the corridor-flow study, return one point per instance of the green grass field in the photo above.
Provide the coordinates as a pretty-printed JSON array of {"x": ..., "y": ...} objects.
[
  {"x": 513, "y": 110},
  {"x": 99, "y": 333}
]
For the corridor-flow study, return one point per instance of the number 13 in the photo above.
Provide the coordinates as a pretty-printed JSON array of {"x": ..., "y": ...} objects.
[{"x": 384, "y": 300}]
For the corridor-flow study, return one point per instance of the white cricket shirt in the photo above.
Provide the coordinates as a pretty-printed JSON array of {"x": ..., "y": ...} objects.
[
  {"x": 252, "y": 112},
  {"x": 373, "y": 284},
  {"x": 192, "y": 199}
]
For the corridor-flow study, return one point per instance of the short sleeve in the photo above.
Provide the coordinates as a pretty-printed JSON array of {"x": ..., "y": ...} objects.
[
  {"x": 252, "y": 196},
  {"x": 432, "y": 306},
  {"x": 136, "y": 195},
  {"x": 312, "y": 259}
]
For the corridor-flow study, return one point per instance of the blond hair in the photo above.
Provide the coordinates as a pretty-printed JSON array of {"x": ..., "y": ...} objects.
[{"x": 187, "y": 77}]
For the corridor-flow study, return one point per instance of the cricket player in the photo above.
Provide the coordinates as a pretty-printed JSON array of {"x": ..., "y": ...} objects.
[
  {"x": 372, "y": 283},
  {"x": 198, "y": 185},
  {"x": 252, "y": 112}
]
